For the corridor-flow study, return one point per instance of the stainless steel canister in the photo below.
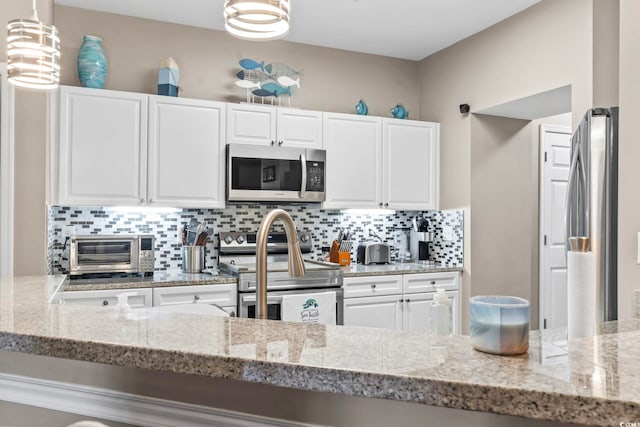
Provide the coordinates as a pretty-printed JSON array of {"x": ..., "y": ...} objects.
[{"x": 192, "y": 259}]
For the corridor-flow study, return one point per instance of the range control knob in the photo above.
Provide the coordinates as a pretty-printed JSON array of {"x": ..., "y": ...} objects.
[
  {"x": 240, "y": 239},
  {"x": 228, "y": 240},
  {"x": 304, "y": 238}
]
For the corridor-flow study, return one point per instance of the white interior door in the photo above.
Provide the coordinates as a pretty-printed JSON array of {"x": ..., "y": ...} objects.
[{"x": 555, "y": 145}]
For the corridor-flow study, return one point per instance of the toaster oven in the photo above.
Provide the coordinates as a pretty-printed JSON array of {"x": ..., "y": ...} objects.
[{"x": 118, "y": 253}]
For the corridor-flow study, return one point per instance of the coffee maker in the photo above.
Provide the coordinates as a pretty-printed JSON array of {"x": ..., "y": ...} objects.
[{"x": 419, "y": 239}]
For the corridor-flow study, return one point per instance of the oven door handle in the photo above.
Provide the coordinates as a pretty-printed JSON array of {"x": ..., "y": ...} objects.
[
  {"x": 270, "y": 298},
  {"x": 303, "y": 185}
]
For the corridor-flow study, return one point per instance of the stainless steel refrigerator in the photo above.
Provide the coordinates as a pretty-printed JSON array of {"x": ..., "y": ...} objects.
[{"x": 592, "y": 202}]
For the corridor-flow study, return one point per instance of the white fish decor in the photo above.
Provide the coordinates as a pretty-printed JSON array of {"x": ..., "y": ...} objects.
[
  {"x": 248, "y": 85},
  {"x": 288, "y": 81}
]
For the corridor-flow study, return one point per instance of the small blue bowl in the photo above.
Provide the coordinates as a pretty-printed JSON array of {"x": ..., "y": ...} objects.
[{"x": 500, "y": 324}]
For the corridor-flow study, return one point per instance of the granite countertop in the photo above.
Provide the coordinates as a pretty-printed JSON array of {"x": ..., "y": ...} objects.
[
  {"x": 590, "y": 381},
  {"x": 355, "y": 270},
  {"x": 159, "y": 279}
]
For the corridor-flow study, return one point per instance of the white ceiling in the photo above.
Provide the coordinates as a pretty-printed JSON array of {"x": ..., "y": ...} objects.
[{"x": 408, "y": 29}]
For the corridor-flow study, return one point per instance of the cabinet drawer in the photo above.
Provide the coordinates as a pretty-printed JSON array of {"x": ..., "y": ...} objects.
[
  {"x": 108, "y": 298},
  {"x": 368, "y": 286},
  {"x": 223, "y": 295},
  {"x": 430, "y": 282}
]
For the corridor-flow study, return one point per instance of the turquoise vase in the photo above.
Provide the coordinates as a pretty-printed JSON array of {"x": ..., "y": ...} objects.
[{"x": 92, "y": 63}]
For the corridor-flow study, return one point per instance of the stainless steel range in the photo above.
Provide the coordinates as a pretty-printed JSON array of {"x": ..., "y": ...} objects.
[{"x": 237, "y": 256}]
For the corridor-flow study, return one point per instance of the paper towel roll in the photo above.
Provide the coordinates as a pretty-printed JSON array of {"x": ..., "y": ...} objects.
[{"x": 581, "y": 294}]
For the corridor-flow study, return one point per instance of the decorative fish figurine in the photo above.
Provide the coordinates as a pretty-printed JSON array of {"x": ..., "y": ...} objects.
[
  {"x": 247, "y": 84},
  {"x": 399, "y": 112},
  {"x": 263, "y": 93},
  {"x": 288, "y": 81},
  {"x": 253, "y": 75},
  {"x": 277, "y": 70},
  {"x": 250, "y": 64},
  {"x": 277, "y": 89},
  {"x": 361, "y": 108}
]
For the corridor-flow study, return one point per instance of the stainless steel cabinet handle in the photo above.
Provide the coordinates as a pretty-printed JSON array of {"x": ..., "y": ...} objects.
[
  {"x": 400, "y": 300},
  {"x": 386, "y": 205},
  {"x": 150, "y": 200},
  {"x": 141, "y": 200},
  {"x": 273, "y": 143},
  {"x": 196, "y": 298},
  {"x": 280, "y": 143},
  {"x": 433, "y": 282},
  {"x": 380, "y": 204},
  {"x": 407, "y": 300},
  {"x": 105, "y": 302},
  {"x": 373, "y": 286}
]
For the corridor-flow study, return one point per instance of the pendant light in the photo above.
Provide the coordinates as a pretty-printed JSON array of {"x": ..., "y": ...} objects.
[
  {"x": 257, "y": 19},
  {"x": 33, "y": 51}
]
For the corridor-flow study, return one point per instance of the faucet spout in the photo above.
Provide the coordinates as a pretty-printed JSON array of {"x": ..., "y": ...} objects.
[{"x": 295, "y": 262}]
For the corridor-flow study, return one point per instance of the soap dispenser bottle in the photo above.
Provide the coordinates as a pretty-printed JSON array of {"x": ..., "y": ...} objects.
[{"x": 440, "y": 319}]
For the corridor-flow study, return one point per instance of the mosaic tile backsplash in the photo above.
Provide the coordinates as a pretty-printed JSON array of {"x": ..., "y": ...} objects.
[{"x": 323, "y": 224}]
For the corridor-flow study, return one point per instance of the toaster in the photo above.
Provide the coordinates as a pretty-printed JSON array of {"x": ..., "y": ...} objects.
[{"x": 374, "y": 253}]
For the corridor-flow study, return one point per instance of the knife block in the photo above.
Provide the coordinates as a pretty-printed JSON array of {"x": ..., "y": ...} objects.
[{"x": 342, "y": 258}]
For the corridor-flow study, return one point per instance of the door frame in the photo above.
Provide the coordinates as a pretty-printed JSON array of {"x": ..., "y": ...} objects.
[
  {"x": 544, "y": 128},
  {"x": 7, "y": 155}
]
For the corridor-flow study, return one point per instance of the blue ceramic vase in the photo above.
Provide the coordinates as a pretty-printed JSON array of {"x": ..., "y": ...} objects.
[{"x": 92, "y": 63}]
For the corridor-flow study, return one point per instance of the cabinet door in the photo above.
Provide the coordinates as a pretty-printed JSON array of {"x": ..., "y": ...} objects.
[
  {"x": 370, "y": 286},
  {"x": 417, "y": 308},
  {"x": 102, "y": 147},
  {"x": 224, "y": 295},
  {"x": 108, "y": 298},
  {"x": 374, "y": 312},
  {"x": 251, "y": 124},
  {"x": 410, "y": 164},
  {"x": 186, "y": 153},
  {"x": 299, "y": 128},
  {"x": 354, "y": 149},
  {"x": 416, "y": 311}
]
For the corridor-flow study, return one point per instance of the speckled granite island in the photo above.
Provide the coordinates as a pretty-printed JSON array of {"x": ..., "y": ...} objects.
[{"x": 591, "y": 381}]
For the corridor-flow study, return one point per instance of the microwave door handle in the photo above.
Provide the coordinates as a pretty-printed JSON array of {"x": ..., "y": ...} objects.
[{"x": 303, "y": 186}]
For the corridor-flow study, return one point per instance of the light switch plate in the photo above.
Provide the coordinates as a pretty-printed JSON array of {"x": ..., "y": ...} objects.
[{"x": 447, "y": 233}]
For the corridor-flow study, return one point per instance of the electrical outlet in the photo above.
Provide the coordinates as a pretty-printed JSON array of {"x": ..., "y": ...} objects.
[{"x": 447, "y": 233}]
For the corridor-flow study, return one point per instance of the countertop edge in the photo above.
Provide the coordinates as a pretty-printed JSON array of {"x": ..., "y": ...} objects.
[{"x": 435, "y": 392}]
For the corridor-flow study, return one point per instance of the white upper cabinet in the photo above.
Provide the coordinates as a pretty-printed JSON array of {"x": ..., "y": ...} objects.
[
  {"x": 381, "y": 163},
  {"x": 130, "y": 149},
  {"x": 354, "y": 151},
  {"x": 268, "y": 125},
  {"x": 102, "y": 147},
  {"x": 299, "y": 128},
  {"x": 186, "y": 152},
  {"x": 410, "y": 157}
]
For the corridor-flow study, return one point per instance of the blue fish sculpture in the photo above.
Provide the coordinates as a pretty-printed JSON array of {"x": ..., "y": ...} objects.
[
  {"x": 263, "y": 93},
  {"x": 250, "y": 64},
  {"x": 277, "y": 70},
  {"x": 253, "y": 76},
  {"x": 277, "y": 89},
  {"x": 361, "y": 108},
  {"x": 399, "y": 112}
]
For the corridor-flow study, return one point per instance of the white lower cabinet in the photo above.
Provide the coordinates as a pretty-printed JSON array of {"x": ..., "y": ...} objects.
[
  {"x": 375, "y": 312},
  {"x": 400, "y": 302},
  {"x": 108, "y": 298}
]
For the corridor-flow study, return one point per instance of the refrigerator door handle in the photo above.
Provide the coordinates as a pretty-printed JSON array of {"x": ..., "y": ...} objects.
[{"x": 568, "y": 211}]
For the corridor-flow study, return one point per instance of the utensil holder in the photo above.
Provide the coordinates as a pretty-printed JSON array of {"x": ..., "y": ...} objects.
[
  {"x": 192, "y": 259},
  {"x": 342, "y": 258}
]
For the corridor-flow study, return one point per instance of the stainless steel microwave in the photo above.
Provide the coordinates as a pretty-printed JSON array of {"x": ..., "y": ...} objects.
[
  {"x": 258, "y": 173},
  {"x": 118, "y": 253}
]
